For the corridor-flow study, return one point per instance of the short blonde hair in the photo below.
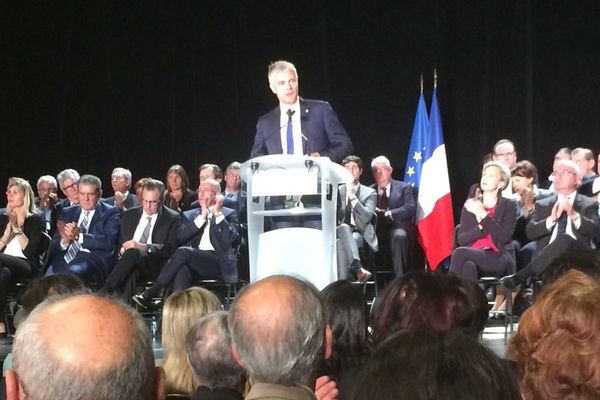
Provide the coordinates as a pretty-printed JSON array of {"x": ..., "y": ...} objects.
[
  {"x": 504, "y": 172},
  {"x": 180, "y": 312}
]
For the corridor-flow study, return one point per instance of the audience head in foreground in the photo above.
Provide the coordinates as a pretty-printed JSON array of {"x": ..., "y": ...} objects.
[
  {"x": 208, "y": 346},
  {"x": 279, "y": 333},
  {"x": 83, "y": 347},
  {"x": 557, "y": 346},
  {"x": 429, "y": 301},
  {"x": 425, "y": 364},
  {"x": 181, "y": 311}
]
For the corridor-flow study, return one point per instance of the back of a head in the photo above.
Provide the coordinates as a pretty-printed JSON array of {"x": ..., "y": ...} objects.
[
  {"x": 40, "y": 289},
  {"x": 84, "y": 347},
  {"x": 277, "y": 327},
  {"x": 557, "y": 345},
  {"x": 208, "y": 346},
  {"x": 346, "y": 313},
  {"x": 586, "y": 261},
  {"x": 423, "y": 301},
  {"x": 180, "y": 312},
  {"x": 425, "y": 364}
]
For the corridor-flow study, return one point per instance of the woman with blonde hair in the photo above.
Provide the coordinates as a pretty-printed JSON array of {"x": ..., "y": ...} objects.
[
  {"x": 21, "y": 231},
  {"x": 180, "y": 312}
]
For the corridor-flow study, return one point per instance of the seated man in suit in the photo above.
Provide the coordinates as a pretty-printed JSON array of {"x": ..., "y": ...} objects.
[
  {"x": 67, "y": 181},
  {"x": 564, "y": 221},
  {"x": 148, "y": 238},
  {"x": 585, "y": 160},
  {"x": 396, "y": 210},
  {"x": 232, "y": 181},
  {"x": 356, "y": 212},
  {"x": 210, "y": 234},
  {"x": 46, "y": 202},
  {"x": 123, "y": 199},
  {"x": 87, "y": 235}
]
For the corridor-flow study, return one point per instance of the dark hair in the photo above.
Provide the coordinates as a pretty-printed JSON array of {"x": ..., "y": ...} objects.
[
  {"x": 426, "y": 364},
  {"x": 39, "y": 289},
  {"x": 424, "y": 301},
  {"x": 586, "y": 261},
  {"x": 216, "y": 170},
  {"x": 155, "y": 184},
  {"x": 179, "y": 170},
  {"x": 346, "y": 313},
  {"x": 525, "y": 169},
  {"x": 354, "y": 159}
]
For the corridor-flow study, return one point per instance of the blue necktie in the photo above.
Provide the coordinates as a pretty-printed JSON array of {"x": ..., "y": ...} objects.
[
  {"x": 290, "y": 133},
  {"x": 75, "y": 246}
]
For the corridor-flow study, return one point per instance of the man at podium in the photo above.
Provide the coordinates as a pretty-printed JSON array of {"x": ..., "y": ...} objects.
[{"x": 298, "y": 126}]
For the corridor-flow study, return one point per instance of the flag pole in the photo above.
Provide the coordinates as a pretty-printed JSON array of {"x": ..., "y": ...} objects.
[
  {"x": 434, "y": 80},
  {"x": 421, "y": 83}
]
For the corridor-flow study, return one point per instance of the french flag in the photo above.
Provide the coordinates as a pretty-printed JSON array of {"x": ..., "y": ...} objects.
[{"x": 427, "y": 170}]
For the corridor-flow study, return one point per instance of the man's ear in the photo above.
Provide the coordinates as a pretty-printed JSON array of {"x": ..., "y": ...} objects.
[
  {"x": 236, "y": 356},
  {"x": 160, "y": 390},
  {"x": 327, "y": 342},
  {"x": 13, "y": 387}
]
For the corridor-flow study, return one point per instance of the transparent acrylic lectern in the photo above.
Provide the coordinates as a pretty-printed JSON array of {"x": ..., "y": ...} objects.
[{"x": 298, "y": 251}]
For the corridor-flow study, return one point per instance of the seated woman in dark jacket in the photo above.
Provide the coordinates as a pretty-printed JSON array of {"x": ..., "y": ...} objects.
[
  {"x": 21, "y": 233},
  {"x": 486, "y": 228},
  {"x": 179, "y": 197}
]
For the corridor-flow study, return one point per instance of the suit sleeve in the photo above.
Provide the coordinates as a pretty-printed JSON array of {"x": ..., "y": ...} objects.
[
  {"x": 259, "y": 147},
  {"x": 408, "y": 210},
  {"x": 501, "y": 227},
  {"x": 106, "y": 236},
  {"x": 364, "y": 213},
  {"x": 34, "y": 225},
  {"x": 340, "y": 144},
  {"x": 167, "y": 248},
  {"x": 536, "y": 227},
  {"x": 589, "y": 220}
]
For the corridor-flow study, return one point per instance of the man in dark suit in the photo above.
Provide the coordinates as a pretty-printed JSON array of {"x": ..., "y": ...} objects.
[
  {"x": 210, "y": 234},
  {"x": 356, "y": 212},
  {"x": 123, "y": 199},
  {"x": 298, "y": 126},
  {"x": 87, "y": 235},
  {"x": 396, "y": 210},
  {"x": 148, "y": 238},
  {"x": 564, "y": 221}
]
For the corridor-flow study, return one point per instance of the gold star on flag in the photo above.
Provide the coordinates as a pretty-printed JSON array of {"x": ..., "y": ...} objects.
[
  {"x": 411, "y": 171},
  {"x": 417, "y": 157}
]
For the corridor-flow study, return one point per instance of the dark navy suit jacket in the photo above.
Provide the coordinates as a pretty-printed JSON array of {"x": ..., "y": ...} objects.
[
  {"x": 223, "y": 237},
  {"x": 320, "y": 125},
  {"x": 101, "y": 238}
]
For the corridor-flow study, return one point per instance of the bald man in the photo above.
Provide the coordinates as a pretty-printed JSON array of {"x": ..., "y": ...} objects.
[
  {"x": 83, "y": 347},
  {"x": 279, "y": 336}
]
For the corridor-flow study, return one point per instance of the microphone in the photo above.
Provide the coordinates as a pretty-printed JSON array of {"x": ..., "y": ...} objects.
[{"x": 308, "y": 150}]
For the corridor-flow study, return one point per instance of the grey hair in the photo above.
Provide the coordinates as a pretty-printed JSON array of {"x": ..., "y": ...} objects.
[
  {"x": 234, "y": 165},
  {"x": 208, "y": 346},
  {"x": 279, "y": 66},
  {"x": 288, "y": 352},
  {"x": 66, "y": 174},
  {"x": 43, "y": 377},
  {"x": 124, "y": 172},
  {"x": 47, "y": 178},
  {"x": 91, "y": 180},
  {"x": 381, "y": 160}
]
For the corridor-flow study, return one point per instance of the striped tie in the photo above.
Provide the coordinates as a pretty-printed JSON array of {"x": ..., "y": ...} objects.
[
  {"x": 146, "y": 232},
  {"x": 75, "y": 246}
]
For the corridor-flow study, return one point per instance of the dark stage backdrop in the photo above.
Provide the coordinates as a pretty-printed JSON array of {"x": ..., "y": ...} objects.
[{"x": 97, "y": 84}]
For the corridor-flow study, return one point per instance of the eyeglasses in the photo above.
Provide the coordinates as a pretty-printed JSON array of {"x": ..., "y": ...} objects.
[
  {"x": 563, "y": 173},
  {"x": 71, "y": 186}
]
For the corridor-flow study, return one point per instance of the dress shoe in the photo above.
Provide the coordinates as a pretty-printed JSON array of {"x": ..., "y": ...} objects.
[
  {"x": 363, "y": 275},
  {"x": 143, "y": 300},
  {"x": 510, "y": 281}
]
